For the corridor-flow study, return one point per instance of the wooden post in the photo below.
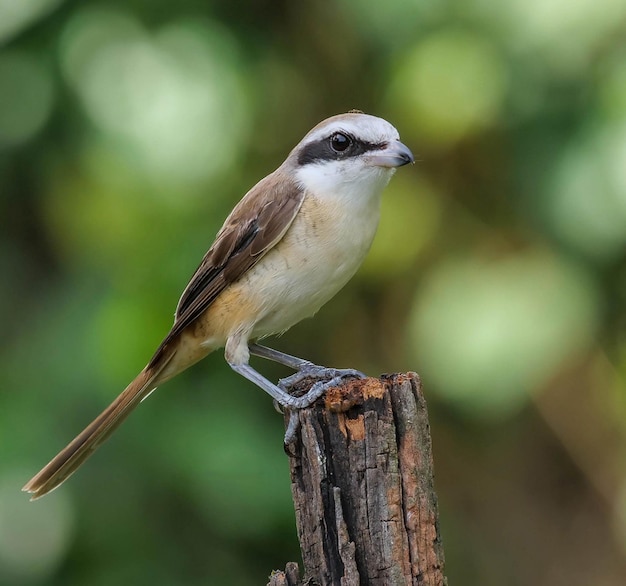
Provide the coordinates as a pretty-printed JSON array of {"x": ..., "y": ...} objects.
[{"x": 362, "y": 485}]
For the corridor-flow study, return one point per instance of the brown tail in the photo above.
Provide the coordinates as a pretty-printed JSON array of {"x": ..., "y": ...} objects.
[{"x": 64, "y": 464}]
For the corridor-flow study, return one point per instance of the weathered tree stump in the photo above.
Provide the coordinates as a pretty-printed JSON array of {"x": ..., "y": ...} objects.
[{"x": 363, "y": 490}]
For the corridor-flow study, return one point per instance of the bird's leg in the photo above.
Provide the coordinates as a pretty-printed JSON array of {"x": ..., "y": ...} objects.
[
  {"x": 278, "y": 394},
  {"x": 276, "y": 356},
  {"x": 305, "y": 369}
]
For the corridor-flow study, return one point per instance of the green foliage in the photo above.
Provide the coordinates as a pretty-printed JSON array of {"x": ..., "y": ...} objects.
[{"x": 128, "y": 131}]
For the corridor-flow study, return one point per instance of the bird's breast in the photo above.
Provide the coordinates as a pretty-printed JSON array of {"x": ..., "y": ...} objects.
[{"x": 318, "y": 255}]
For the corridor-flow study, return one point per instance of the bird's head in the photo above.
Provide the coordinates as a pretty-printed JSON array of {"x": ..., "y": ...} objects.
[{"x": 352, "y": 153}]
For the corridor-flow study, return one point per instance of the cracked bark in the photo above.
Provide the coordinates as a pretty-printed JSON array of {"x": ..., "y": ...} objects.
[{"x": 363, "y": 489}]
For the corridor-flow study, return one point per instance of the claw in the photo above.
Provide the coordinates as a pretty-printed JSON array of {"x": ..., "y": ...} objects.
[
  {"x": 330, "y": 377},
  {"x": 278, "y": 407},
  {"x": 292, "y": 429}
]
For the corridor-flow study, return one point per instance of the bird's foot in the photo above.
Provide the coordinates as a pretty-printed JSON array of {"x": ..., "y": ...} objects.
[{"x": 330, "y": 377}]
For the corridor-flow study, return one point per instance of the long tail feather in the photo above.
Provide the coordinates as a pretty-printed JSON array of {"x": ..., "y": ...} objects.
[{"x": 64, "y": 464}]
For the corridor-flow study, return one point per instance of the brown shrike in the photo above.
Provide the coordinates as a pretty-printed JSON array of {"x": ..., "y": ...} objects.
[{"x": 290, "y": 244}]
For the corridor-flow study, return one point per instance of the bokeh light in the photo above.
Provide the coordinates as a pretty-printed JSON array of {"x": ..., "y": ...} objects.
[
  {"x": 410, "y": 217},
  {"x": 564, "y": 35},
  {"x": 17, "y": 15},
  {"x": 25, "y": 100},
  {"x": 587, "y": 200},
  {"x": 488, "y": 333},
  {"x": 33, "y": 539},
  {"x": 451, "y": 84},
  {"x": 173, "y": 98}
]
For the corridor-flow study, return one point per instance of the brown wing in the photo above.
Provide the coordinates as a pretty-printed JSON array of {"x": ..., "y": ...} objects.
[{"x": 256, "y": 224}]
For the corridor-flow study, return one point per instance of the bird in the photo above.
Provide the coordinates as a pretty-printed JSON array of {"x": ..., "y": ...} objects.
[{"x": 289, "y": 245}]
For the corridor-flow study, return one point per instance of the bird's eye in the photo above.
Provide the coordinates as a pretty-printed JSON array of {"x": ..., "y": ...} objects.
[{"x": 340, "y": 142}]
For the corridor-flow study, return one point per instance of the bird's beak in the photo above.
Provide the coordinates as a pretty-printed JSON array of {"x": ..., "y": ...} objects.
[{"x": 395, "y": 154}]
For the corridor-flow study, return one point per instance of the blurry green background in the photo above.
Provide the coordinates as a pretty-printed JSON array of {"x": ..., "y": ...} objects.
[{"x": 127, "y": 132}]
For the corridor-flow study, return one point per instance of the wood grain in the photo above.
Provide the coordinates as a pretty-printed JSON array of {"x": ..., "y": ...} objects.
[{"x": 363, "y": 488}]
